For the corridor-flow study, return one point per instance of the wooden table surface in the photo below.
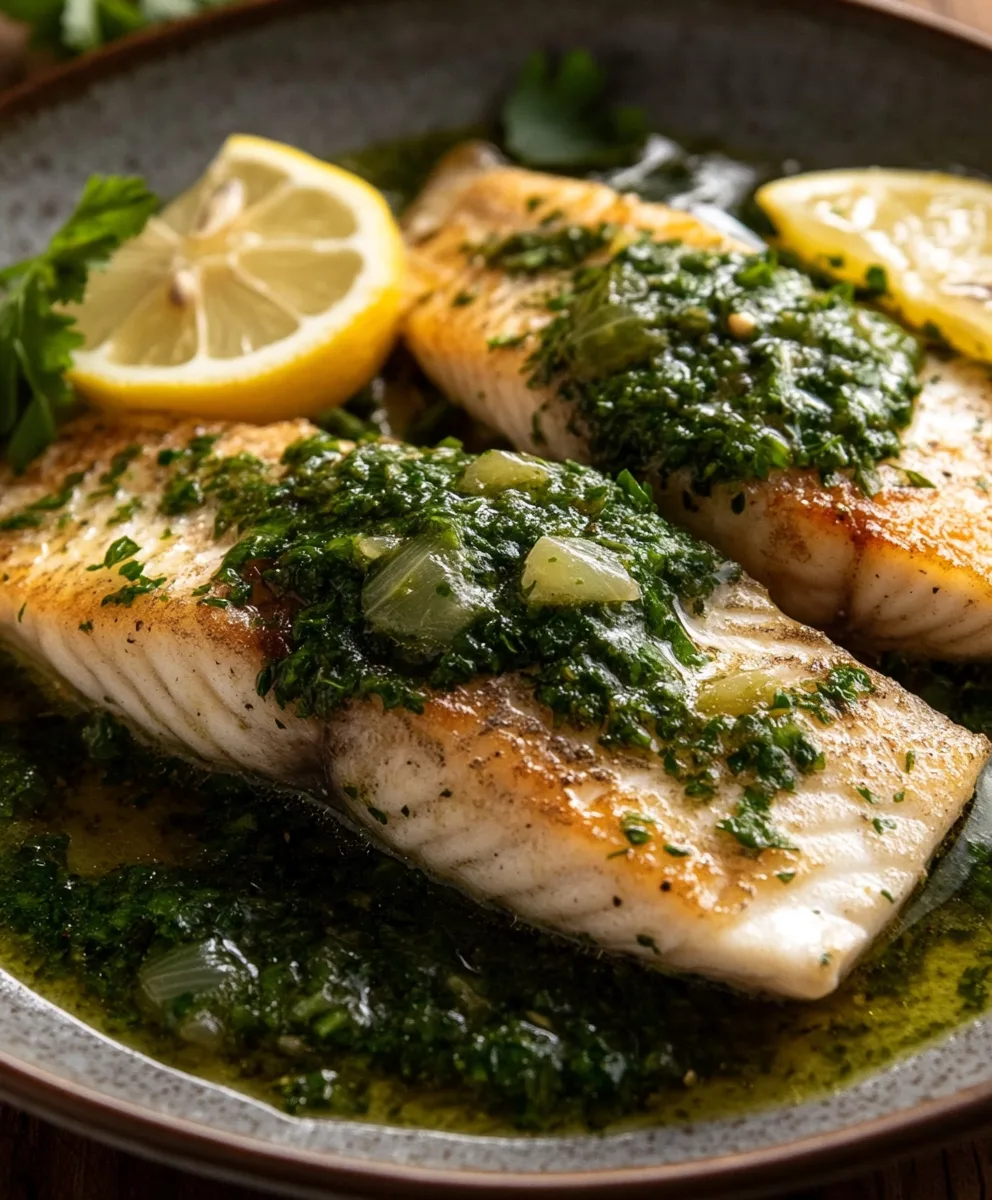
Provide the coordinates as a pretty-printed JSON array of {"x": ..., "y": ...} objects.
[{"x": 41, "y": 1162}]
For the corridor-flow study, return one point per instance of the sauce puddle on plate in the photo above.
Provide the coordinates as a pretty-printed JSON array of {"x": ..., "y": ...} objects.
[{"x": 247, "y": 937}]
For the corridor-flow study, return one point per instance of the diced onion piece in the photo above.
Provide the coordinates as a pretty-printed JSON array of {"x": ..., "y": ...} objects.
[
  {"x": 190, "y": 970},
  {"x": 497, "y": 470},
  {"x": 572, "y": 571},
  {"x": 375, "y": 547},
  {"x": 421, "y": 595},
  {"x": 736, "y": 694},
  {"x": 204, "y": 1029}
]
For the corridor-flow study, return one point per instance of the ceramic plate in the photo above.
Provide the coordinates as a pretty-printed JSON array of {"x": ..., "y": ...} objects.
[{"x": 838, "y": 83}]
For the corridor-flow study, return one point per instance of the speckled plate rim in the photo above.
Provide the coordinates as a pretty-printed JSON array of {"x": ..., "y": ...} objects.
[{"x": 296, "y": 1171}]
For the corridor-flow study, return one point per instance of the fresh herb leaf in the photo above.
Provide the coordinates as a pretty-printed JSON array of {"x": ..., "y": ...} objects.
[
  {"x": 117, "y": 552},
  {"x": 750, "y": 823},
  {"x": 559, "y": 118},
  {"x": 915, "y": 479},
  {"x": 126, "y": 595},
  {"x": 505, "y": 341},
  {"x": 876, "y": 280},
  {"x": 37, "y": 339},
  {"x": 637, "y": 828},
  {"x": 67, "y": 27}
]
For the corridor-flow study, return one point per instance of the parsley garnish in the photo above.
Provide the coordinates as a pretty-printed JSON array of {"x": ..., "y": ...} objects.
[
  {"x": 637, "y": 828},
  {"x": 141, "y": 586},
  {"x": 37, "y": 339},
  {"x": 915, "y": 479},
  {"x": 111, "y": 478},
  {"x": 973, "y": 987},
  {"x": 750, "y": 823},
  {"x": 505, "y": 341},
  {"x": 34, "y": 514},
  {"x": 642, "y": 346},
  {"x": 876, "y": 280},
  {"x": 534, "y": 250},
  {"x": 117, "y": 552},
  {"x": 560, "y": 118}
]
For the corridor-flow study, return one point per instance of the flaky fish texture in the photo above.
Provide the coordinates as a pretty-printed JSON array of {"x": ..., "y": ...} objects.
[
  {"x": 482, "y": 788},
  {"x": 909, "y": 568}
]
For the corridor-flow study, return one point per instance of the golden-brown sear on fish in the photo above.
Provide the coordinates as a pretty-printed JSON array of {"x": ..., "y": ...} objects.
[
  {"x": 483, "y": 788},
  {"x": 909, "y": 568}
]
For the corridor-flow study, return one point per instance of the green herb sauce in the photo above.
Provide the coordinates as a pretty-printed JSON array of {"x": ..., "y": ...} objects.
[
  {"x": 240, "y": 934},
  {"x": 351, "y": 984},
  {"x": 728, "y": 365},
  {"x": 392, "y": 571}
]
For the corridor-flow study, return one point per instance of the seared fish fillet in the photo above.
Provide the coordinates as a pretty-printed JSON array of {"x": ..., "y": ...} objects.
[
  {"x": 481, "y": 788},
  {"x": 910, "y": 568}
]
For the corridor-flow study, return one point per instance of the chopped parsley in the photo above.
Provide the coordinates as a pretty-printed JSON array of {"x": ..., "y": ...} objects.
[
  {"x": 637, "y": 828},
  {"x": 140, "y": 586},
  {"x": 117, "y": 552},
  {"x": 34, "y": 514},
  {"x": 124, "y": 512},
  {"x": 395, "y": 582},
  {"x": 750, "y": 823},
  {"x": 643, "y": 347},
  {"x": 915, "y": 479},
  {"x": 111, "y": 478},
  {"x": 534, "y": 250},
  {"x": 505, "y": 341},
  {"x": 973, "y": 986},
  {"x": 876, "y": 280}
]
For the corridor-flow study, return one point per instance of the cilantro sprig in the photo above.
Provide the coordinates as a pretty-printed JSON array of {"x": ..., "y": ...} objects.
[
  {"x": 75, "y": 26},
  {"x": 37, "y": 337},
  {"x": 559, "y": 118}
]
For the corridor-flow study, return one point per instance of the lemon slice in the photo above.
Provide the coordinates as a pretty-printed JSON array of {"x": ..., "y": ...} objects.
[
  {"x": 272, "y": 288},
  {"x": 931, "y": 234}
]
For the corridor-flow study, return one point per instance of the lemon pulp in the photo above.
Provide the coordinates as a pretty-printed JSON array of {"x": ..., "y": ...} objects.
[
  {"x": 271, "y": 288},
  {"x": 930, "y": 233}
]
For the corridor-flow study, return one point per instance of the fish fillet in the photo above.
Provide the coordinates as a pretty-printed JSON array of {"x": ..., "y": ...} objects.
[
  {"x": 909, "y": 568},
  {"x": 482, "y": 789}
]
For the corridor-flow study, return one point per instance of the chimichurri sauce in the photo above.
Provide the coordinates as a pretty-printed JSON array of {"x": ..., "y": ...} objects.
[{"x": 245, "y": 935}]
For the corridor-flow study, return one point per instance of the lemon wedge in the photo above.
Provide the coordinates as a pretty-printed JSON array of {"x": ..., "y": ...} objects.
[
  {"x": 930, "y": 234},
  {"x": 272, "y": 288}
]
